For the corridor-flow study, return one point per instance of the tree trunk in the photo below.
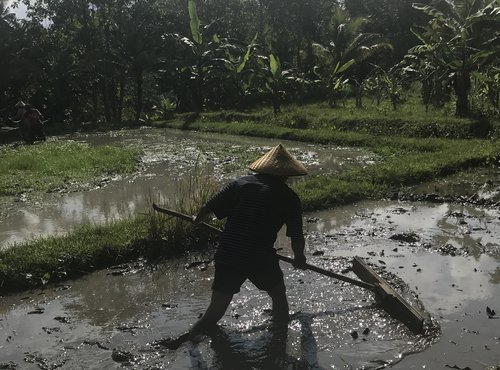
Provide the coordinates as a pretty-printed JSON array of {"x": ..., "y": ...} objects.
[
  {"x": 330, "y": 93},
  {"x": 199, "y": 97},
  {"x": 276, "y": 102},
  {"x": 357, "y": 93},
  {"x": 113, "y": 97},
  {"x": 139, "y": 78},
  {"x": 95, "y": 103},
  {"x": 105, "y": 97},
  {"x": 121, "y": 98},
  {"x": 462, "y": 86}
]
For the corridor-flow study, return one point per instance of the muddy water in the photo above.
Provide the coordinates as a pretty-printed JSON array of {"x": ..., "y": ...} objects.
[
  {"x": 442, "y": 256},
  {"x": 448, "y": 254},
  {"x": 169, "y": 156},
  {"x": 111, "y": 319}
]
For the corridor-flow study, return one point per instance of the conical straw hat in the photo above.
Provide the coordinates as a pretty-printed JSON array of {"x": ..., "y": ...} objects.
[
  {"x": 278, "y": 162},
  {"x": 20, "y": 104}
]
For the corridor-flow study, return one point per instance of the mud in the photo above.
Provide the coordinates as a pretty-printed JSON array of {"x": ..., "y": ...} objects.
[
  {"x": 109, "y": 320},
  {"x": 447, "y": 254}
]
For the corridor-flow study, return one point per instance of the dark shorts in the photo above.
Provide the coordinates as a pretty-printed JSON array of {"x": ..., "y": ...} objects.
[{"x": 228, "y": 279}]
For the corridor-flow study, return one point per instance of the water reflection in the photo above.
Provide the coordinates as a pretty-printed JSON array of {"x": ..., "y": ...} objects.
[
  {"x": 266, "y": 350},
  {"x": 169, "y": 156},
  {"x": 150, "y": 302},
  {"x": 478, "y": 182},
  {"x": 474, "y": 232},
  {"x": 495, "y": 276}
]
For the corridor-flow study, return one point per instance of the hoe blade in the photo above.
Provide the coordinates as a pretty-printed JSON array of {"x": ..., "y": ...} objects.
[{"x": 390, "y": 300}]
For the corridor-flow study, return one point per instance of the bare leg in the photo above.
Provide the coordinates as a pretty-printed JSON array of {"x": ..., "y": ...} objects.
[
  {"x": 280, "y": 303},
  {"x": 218, "y": 306},
  {"x": 215, "y": 311}
]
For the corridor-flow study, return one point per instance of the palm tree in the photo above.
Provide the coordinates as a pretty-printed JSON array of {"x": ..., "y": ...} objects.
[
  {"x": 348, "y": 49},
  {"x": 462, "y": 36}
]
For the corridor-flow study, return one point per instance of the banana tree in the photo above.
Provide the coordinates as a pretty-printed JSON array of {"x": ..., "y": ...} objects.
[
  {"x": 435, "y": 81},
  {"x": 236, "y": 79},
  {"x": 465, "y": 35},
  {"x": 385, "y": 84},
  {"x": 488, "y": 88},
  {"x": 275, "y": 82},
  {"x": 207, "y": 63},
  {"x": 272, "y": 79}
]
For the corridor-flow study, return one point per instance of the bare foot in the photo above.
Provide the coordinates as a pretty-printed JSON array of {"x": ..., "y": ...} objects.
[{"x": 172, "y": 343}]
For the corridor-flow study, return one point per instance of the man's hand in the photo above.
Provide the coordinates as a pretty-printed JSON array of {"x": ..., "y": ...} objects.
[
  {"x": 300, "y": 262},
  {"x": 202, "y": 215},
  {"x": 298, "y": 246}
]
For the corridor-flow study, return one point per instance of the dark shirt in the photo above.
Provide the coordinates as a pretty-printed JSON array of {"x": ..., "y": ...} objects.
[{"x": 256, "y": 207}]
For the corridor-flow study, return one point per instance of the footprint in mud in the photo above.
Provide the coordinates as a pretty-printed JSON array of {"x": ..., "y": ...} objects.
[
  {"x": 37, "y": 311},
  {"x": 9, "y": 365}
]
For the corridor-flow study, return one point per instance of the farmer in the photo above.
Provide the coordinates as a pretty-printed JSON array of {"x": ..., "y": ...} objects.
[
  {"x": 30, "y": 121},
  {"x": 256, "y": 207}
]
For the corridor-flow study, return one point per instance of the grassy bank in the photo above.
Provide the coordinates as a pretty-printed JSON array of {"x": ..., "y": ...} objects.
[
  {"x": 411, "y": 120},
  {"x": 88, "y": 248},
  {"x": 55, "y": 165},
  {"x": 404, "y": 161}
]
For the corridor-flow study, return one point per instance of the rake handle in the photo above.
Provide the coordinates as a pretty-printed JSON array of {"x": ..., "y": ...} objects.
[
  {"x": 331, "y": 274},
  {"x": 289, "y": 260}
]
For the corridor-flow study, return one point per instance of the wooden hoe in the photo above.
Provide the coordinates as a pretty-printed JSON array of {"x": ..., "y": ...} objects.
[{"x": 390, "y": 300}]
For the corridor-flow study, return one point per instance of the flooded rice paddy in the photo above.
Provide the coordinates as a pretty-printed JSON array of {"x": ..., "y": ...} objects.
[
  {"x": 442, "y": 257},
  {"x": 168, "y": 156}
]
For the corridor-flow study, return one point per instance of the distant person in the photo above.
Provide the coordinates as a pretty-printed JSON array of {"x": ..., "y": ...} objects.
[
  {"x": 30, "y": 121},
  {"x": 256, "y": 207}
]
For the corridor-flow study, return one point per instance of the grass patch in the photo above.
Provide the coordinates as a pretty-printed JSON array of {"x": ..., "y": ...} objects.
[
  {"x": 411, "y": 120},
  {"x": 53, "y": 258},
  {"x": 91, "y": 247},
  {"x": 54, "y": 165}
]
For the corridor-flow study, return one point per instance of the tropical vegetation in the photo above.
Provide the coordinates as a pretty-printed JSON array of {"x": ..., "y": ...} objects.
[{"x": 137, "y": 60}]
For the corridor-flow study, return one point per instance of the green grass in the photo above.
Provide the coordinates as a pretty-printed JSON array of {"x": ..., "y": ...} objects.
[
  {"x": 85, "y": 249},
  {"x": 410, "y": 119},
  {"x": 90, "y": 247},
  {"x": 54, "y": 165}
]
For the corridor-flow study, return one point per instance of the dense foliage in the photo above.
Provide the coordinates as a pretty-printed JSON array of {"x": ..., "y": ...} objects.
[{"x": 93, "y": 60}]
